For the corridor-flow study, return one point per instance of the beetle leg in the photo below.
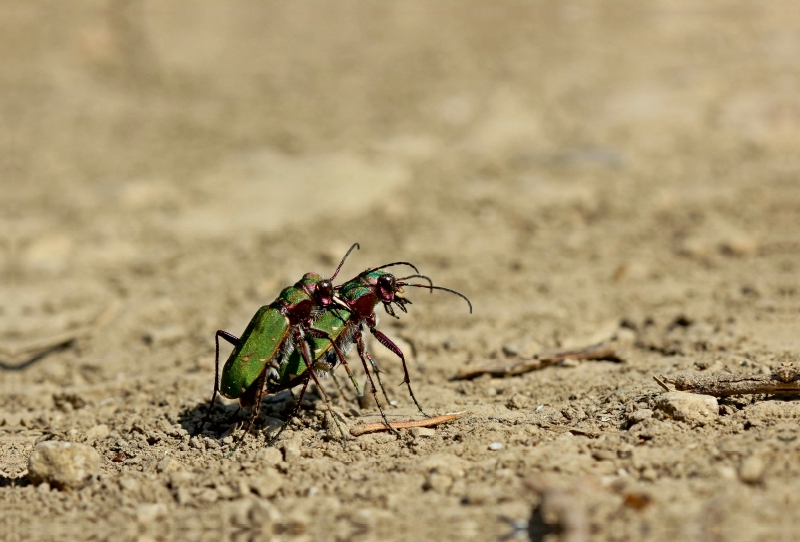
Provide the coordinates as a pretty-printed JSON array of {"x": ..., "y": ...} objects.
[
  {"x": 361, "y": 351},
  {"x": 378, "y": 375},
  {"x": 262, "y": 379},
  {"x": 292, "y": 414},
  {"x": 310, "y": 368},
  {"x": 235, "y": 342},
  {"x": 314, "y": 332},
  {"x": 387, "y": 342}
]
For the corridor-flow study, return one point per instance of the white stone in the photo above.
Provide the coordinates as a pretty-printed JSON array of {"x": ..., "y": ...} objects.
[
  {"x": 64, "y": 465},
  {"x": 267, "y": 483},
  {"x": 688, "y": 407}
]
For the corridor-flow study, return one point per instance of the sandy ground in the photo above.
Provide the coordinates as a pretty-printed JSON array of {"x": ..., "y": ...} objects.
[{"x": 581, "y": 171}]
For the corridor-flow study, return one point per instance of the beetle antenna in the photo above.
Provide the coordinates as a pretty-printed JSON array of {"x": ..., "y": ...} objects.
[
  {"x": 459, "y": 294},
  {"x": 355, "y": 245},
  {"x": 417, "y": 276},
  {"x": 371, "y": 269}
]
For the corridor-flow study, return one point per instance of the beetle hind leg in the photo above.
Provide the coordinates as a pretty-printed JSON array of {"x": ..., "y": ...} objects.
[{"x": 234, "y": 340}]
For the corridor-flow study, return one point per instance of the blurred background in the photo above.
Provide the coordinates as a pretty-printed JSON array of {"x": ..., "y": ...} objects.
[
  {"x": 586, "y": 155},
  {"x": 216, "y": 149}
]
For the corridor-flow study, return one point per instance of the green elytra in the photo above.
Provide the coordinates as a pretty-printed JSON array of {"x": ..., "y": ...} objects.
[{"x": 294, "y": 370}]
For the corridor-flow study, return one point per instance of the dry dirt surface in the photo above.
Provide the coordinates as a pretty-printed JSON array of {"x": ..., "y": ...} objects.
[{"x": 583, "y": 171}]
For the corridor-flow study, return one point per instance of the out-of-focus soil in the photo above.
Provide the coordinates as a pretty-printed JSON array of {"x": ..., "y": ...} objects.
[{"x": 580, "y": 171}]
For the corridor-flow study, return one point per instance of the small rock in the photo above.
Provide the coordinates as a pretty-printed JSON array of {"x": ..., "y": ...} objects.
[
  {"x": 269, "y": 456},
  {"x": 180, "y": 478},
  {"x": 517, "y": 401},
  {"x": 726, "y": 473},
  {"x": 264, "y": 514},
  {"x": 419, "y": 432},
  {"x": 266, "y": 484},
  {"x": 166, "y": 335},
  {"x": 168, "y": 464},
  {"x": 129, "y": 484},
  {"x": 147, "y": 513},
  {"x": 688, "y": 407},
  {"x": 478, "y": 494},
  {"x": 604, "y": 455},
  {"x": 98, "y": 432},
  {"x": 291, "y": 451},
  {"x": 183, "y": 495},
  {"x": 522, "y": 350},
  {"x": 437, "y": 482},
  {"x": 752, "y": 470},
  {"x": 640, "y": 415},
  {"x": 649, "y": 474},
  {"x": 496, "y": 446},
  {"x": 208, "y": 495},
  {"x": 448, "y": 464},
  {"x": 696, "y": 247},
  {"x": 64, "y": 465},
  {"x": 738, "y": 244}
]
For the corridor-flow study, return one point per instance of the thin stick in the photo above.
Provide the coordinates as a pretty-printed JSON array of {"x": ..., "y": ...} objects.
[
  {"x": 364, "y": 428},
  {"x": 21, "y": 357},
  {"x": 661, "y": 383},
  {"x": 785, "y": 379},
  {"x": 518, "y": 366}
]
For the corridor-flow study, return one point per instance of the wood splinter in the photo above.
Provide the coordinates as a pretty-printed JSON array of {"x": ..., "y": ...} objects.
[
  {"x": 602, "y": 351},
  {"x": 365, "y": 428},
  {"x": 784, "y": 379}
]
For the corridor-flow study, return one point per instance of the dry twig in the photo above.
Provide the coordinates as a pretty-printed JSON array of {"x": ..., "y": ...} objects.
[
  {"x": 785, "y": 379},
  {"x": 425, "y": 422},
  {"x": 21, "y": 357},
  {"x": 605, "y": 350}
]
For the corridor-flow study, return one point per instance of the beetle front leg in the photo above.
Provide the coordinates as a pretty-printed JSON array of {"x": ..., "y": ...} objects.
[
  {"x": 387, "y": 342},
  {"x": 378, "y": 376},
  {"x": 234, "y": 340},
  {"x": 359, "y": 338}
]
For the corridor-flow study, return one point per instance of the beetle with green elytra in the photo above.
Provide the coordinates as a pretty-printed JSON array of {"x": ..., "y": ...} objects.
[
  {"x": 345, "y": 320},
  {"x": 273, "y": 333}
]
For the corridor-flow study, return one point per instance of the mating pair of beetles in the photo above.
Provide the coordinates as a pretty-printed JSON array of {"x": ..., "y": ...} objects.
[{"x": 307, "y": 331}]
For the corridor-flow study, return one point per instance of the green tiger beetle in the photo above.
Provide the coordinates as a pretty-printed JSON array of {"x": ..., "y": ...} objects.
[
  {"x": 277, "y": 330},
  {"x": 274, "y": 332},
  {"x": 355, "y": 308}
]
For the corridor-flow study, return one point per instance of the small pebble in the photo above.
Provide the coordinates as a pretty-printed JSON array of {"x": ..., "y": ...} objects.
[
  {"x": 688, "y": 407},
  {"x": 604, "y": 455},
  {"x": 496, "y": 446},
  {"x": 437, "y": 482},
  {"x": 98, "y": 432},
  {"x": 640, "y": 415},
  {"x": 147, "y": 513},
  {"x": 266, "y": 484},
  {"x": 752, "y": 470},
  {"x": 168, "y": 464},
  {"x": 269, "y": 456},
  {"x": 291, "y": 451},
  {"x": 64, "y": 465}
]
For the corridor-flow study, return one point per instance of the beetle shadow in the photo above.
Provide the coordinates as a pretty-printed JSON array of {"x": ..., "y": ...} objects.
[
  {"x": 228, "y": 417},
  {"x": 535, "y": 529}
]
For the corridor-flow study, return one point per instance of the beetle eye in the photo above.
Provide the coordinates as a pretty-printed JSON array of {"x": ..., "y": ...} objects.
[
  {"x": 325, "y": 292},
  {"x": 387, "y": 285}
]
